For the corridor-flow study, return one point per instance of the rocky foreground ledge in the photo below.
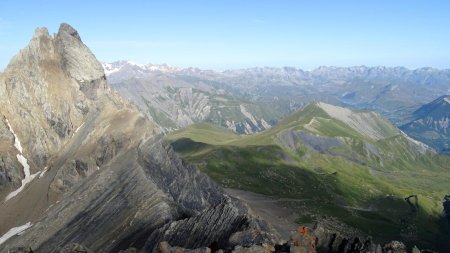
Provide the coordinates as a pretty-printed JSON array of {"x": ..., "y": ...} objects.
[{"x": 304, "y": 240}]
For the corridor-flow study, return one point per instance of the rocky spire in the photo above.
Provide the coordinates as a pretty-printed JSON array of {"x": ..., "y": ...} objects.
[
  {"x": 66, "y": 28},
  {"x": 52, "y": 84},
  {"x": 79, "y": 62}
]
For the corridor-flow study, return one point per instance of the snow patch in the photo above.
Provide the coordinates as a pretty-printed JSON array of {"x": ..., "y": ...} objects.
[
  {"x": 76, "y": 130},
  {"x": 447, "y": 100},
  {"x": 132, "y": 63},
  {"x": 109, "y": 69},
  {"x": 43, "y": 172},
  {"x": 15, "y": 231},
  {"x": 395, "y": 87},
  {"x": 24, "y": 162},
  {"x": 16, "y": 140}
]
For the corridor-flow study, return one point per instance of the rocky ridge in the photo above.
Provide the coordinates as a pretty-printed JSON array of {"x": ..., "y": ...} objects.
[{"x": 306, "y": 240}]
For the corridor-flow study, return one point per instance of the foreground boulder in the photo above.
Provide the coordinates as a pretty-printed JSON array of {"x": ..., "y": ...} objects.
[{"x": 75, "y": 248}]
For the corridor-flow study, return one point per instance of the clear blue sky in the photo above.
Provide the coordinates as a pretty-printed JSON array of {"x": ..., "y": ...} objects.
[{"x": 235, "y": 34}]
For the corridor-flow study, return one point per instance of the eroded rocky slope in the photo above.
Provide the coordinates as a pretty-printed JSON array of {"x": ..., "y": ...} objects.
[{"x": 175, "y": 99}]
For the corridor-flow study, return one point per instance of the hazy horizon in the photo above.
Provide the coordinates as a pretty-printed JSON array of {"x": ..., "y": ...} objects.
[
  {"x": 268, "y": 66},
  {"x": 234, "y": 34}
]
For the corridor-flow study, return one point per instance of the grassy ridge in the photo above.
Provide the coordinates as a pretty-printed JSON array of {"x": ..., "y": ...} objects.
[{"x": 365, "y": 189}]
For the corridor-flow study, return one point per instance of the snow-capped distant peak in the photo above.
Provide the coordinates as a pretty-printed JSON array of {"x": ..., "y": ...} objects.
[
  {"x": 446, "y": 99},
  {"x": 132, "y": 63},
  {"x": 111, "y": 68}
]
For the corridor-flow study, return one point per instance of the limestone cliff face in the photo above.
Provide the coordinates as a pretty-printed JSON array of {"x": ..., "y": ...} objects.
[{"x": 79, "y": 165}]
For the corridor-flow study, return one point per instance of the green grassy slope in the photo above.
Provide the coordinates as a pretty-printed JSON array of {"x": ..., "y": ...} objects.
[{"x": 337, "y": 172}]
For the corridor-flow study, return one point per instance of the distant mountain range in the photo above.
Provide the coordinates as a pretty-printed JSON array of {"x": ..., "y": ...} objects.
[
  {"x": 394, "y": 92},
  {"x": 175, "y": 98},
  {"x": 247, "y": 101},
  {"x": 431, "y": 124}
]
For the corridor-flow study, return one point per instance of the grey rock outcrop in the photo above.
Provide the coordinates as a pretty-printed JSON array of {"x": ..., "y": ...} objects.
[
  {"x": 220, "y": 227},
  {"x": 255, "y": 249},
  {"x": 21, "y": 250},
  {"x": 394, "y": 247},
  {"x": 304, "y": 240},
  {"x": 192, "y": 195},
  {"x": 329, "y": 241},
  {"x": 79, "y": 63},
  {"x": 165, "y": 247},
  {"x": 74, "y": 248}
]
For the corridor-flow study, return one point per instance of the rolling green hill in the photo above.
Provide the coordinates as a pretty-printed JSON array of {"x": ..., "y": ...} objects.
[{"x": 351, "y": 168}]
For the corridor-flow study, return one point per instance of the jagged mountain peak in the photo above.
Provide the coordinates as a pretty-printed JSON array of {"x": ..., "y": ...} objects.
[
  {"x": 79, "y": 62},
  {"x": 66, "y": 28},
  {"x": 65, "y": 51},
  {"x": 47, "y": 91},
  {"x": 40, "y": 32},
  {"x": 431, "y": 124},
  {"x": 438, "y": 107}
]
